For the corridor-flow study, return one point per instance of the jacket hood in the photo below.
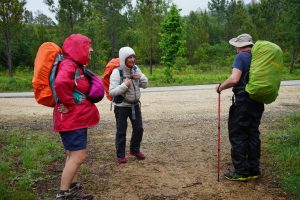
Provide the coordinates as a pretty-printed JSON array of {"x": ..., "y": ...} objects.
[
  {"x": 124, "y": 53},
  {"x": 76, "y": 47}
]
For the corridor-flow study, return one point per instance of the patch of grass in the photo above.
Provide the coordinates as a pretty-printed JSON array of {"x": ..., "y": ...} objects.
[
  {"x": 84, "y": 169},
  {"x": 284, "y": 146},
  {"x": 286, "y": 75},
  {"x": 188, "y": 75},
  {"x": 24, "y": 155},
  {"x": 21, "y": 82}
]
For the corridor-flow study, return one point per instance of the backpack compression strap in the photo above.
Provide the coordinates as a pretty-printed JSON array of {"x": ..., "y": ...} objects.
[{"x": 121, "y": 80}]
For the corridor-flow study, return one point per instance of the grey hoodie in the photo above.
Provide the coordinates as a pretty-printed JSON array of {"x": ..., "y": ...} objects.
[{"x": 131, "y": 94}]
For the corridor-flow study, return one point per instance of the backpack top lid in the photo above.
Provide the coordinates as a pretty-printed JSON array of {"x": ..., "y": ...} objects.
[
  {"x": 45, "y": 58},
  {"x": 265, "y": 72},
  {"x": 111, "y": 65}
]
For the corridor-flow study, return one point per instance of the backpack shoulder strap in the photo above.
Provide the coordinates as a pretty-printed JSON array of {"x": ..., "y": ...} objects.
[
  {"x": 121, "y": 74},
  {"x": 77, "y": 95},
  {"x": 134, "y": 68},
  {"x": 120, "y": 71},
  {"x": 77, "y": 74}
]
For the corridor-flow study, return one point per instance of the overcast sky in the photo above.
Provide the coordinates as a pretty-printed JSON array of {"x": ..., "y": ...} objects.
[{"x": 185, "y": 5}]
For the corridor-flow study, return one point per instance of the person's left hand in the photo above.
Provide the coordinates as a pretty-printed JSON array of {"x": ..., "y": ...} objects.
[{"x": 136, "y": 75}]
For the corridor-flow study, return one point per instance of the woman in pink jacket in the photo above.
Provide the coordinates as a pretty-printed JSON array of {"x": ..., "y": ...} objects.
[{"x": 73, "y": 113}]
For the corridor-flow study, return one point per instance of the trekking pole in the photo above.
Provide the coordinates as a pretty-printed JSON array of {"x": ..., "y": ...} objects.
[{"x": 219, "y": 134}]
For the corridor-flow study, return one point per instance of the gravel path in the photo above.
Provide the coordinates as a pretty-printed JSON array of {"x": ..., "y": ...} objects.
[{"x": 180, "y": 143}]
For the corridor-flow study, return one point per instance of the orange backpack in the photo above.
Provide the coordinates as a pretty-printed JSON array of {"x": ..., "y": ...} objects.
[
  {"x": 46, "y": 61},
  {"x": 111, "y": 65}
]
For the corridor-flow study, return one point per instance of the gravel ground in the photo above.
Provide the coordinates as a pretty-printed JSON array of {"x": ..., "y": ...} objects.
[{"x": 180, "y": 142}]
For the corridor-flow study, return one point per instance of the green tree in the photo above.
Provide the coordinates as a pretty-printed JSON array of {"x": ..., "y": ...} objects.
[
  {"x": 37, "y": 30},
  {"x": 290, "y": 30},
  {"x": 11, "y": 15},
  {"x": 172, "y": 41},
  {"x": 114, "y": 17},
  {"x": 218, "y": 8},
  {"x": 148, "y": 17},
  {"x": 217, "y": 15},
  {"x": 69, "y": 13},
  {"x": 43, "y": 19},
  {"x": 28, "y": 17},
  {"x": 238, "y": 20},
  {"x": 94, "y": 29},
  {"x": 265, "y": 15},
  {"x": 197, "y": 27}
]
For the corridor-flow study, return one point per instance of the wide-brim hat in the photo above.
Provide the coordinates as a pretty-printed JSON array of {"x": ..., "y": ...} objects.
[{"x": 241, "y": 40}]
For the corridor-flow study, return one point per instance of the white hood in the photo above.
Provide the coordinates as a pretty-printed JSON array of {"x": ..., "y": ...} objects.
[{"x": 124, "y": 53}]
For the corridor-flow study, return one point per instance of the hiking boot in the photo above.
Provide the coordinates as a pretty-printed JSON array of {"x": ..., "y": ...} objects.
[
  {"x": 254, "y": 175},
  {"x": 79, "y": 195},
  {"x": 121, "y": 160},
  {"x": 73, "y": 193},
  {"x": 63, "y": 195},
  {"x": 74, "y": 187},
  {"x": 233, "y": 176},
  {"x": 138, "y": 155}
]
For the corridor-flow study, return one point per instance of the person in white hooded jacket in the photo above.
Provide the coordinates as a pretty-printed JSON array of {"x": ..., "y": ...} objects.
[{"x": 125, "y": 84}]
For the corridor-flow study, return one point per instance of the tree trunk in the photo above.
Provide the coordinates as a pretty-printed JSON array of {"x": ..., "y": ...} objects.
[
  {"x": 151, "y": 59},
  {"x": 294, "y": 57},
  {"x": 70, "y": 16},
  {"x": 113, "y": 46},
  {"x": 8, "y": 50},
  {"x": 151, "y": 41}
]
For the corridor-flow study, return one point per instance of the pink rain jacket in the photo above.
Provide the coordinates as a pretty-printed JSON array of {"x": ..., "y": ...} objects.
[{"x": 82, "y": 115}]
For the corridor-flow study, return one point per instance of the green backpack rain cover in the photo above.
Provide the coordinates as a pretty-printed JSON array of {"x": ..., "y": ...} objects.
[{"x": 265, "y": 72}]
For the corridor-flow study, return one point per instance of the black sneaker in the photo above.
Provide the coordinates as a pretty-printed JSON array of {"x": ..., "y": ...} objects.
[{"x": 233, "y": 176}]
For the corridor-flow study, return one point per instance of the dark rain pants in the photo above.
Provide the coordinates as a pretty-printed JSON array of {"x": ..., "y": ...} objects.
[
  {"x": 121, "y": 115},
  {"x": 243, "y": 125}
]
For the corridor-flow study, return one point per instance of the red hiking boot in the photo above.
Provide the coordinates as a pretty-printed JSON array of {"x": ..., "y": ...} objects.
[
  {"x": 122, "y": 160},
  {"x": 138, "y": 155}
]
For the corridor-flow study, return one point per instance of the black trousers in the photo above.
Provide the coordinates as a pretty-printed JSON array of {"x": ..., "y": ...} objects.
[
  {"x": 121, "y": 115},
  {"x": 243, "y": 125}
]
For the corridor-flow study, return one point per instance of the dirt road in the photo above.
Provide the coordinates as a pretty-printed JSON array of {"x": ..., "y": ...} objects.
[{"x": 180, "y": 142}]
